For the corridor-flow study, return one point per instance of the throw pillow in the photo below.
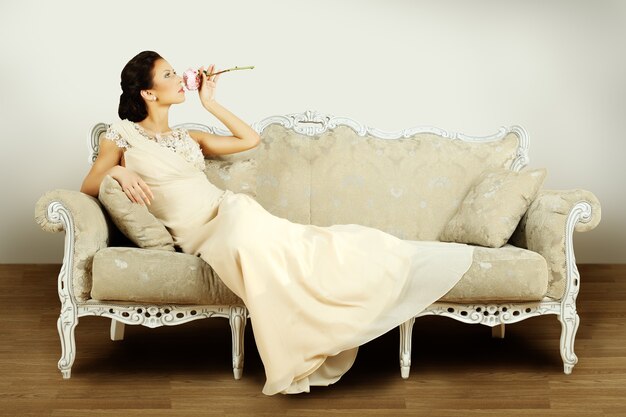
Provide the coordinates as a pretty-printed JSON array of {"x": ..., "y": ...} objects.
[
  {"x": 493, "y": 207},
  {"x": 133, "y": 219}
]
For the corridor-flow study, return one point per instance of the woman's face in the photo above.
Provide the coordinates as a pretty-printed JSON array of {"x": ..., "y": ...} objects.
[{"x": 167, "y": 85}]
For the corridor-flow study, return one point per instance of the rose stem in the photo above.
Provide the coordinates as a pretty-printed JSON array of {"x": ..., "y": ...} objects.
[{"x": 226, "y": 70}]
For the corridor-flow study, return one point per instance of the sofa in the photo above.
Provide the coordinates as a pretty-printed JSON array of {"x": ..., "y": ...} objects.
[{"x": 315, "y": 168}]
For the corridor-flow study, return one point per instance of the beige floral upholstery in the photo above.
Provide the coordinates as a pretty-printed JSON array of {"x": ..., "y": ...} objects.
[
  {"x": 139, "y": 275},
  {"x": 493, "y": 207},
  {"x": 542, "y": 230},
  {"x": 284, "y": 173},
  {"x": 235, "y": 172},
  {"x": 502, "y": 274},
  {"x": 133, "y": 219},
  {"x": 91, "y": 232},
  {"x": 153, "y": 276},
  {"x": 408, "y": 187}
]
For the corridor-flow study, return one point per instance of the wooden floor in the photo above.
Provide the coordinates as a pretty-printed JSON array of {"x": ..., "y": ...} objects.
[{"x": 458, "y": 369}]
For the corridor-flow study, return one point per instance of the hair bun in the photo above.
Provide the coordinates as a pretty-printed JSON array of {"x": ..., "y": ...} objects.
[{"x": 136, "y": 76}]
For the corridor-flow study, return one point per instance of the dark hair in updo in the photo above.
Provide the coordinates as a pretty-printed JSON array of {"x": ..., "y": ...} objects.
[{"x": 136, "y": 76}]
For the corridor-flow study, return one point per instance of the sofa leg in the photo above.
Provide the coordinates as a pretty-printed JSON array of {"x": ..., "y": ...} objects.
[
  {"x": 237, "y": 320},
  {"x": 406, "y": 332},
  {"x": 67, "y": 322},
  {"x": 497, "y": 332},
  {"x": 569, "y": 326},
  {"x": 117, "y": 330}
]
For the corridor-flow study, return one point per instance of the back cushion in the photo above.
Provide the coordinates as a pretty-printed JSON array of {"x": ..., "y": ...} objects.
[
  {"x": 284, "y": 173},
  {"x": 236, "y": 172},
  {"x": 408, "y": 187}
]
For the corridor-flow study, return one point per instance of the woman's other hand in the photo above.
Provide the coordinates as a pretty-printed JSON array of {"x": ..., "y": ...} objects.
[{"x": 133, "y": 185}]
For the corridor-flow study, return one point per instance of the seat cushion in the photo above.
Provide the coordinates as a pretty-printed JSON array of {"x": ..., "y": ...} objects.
[
  {"x": 502, "y": 274},
  {"x": 156, "y": 276}
]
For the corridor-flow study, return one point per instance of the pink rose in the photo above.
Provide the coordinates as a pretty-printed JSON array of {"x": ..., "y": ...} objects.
[{"x": 191, "y": 79}]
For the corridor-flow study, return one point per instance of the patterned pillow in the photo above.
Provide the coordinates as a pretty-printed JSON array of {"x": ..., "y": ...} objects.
[
  {"x": 493, "y": 207},
  {"x": 133, "y": 219},
  {"x": 236, "y": 172}
]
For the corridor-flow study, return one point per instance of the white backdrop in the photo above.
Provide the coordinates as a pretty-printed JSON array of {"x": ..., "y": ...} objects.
[{"x": 557, "y": 68}]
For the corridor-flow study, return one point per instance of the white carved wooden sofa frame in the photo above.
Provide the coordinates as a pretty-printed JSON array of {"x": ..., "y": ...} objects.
[{"x": 60, "y": 217}]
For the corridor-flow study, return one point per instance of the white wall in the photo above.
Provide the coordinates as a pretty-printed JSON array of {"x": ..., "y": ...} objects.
[{"x": 558, "y": 68}]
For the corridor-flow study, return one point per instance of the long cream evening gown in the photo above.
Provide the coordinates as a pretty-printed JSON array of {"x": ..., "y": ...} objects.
[{"x": 314, "y": 294}]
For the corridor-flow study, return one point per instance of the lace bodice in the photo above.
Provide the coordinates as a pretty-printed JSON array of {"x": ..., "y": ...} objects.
[{"x": 178, "y": 140}]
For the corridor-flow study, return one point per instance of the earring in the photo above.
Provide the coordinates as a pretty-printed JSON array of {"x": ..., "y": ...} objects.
[{"x": 154, "y": 98}]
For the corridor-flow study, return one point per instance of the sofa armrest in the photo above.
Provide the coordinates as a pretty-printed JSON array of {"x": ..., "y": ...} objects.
[
  {"x": 548, "y": 226},
  {"x": 86, "y": 231}
]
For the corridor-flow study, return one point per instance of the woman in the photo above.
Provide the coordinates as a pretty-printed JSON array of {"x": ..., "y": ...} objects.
[{"x": 315, "y": 294}]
